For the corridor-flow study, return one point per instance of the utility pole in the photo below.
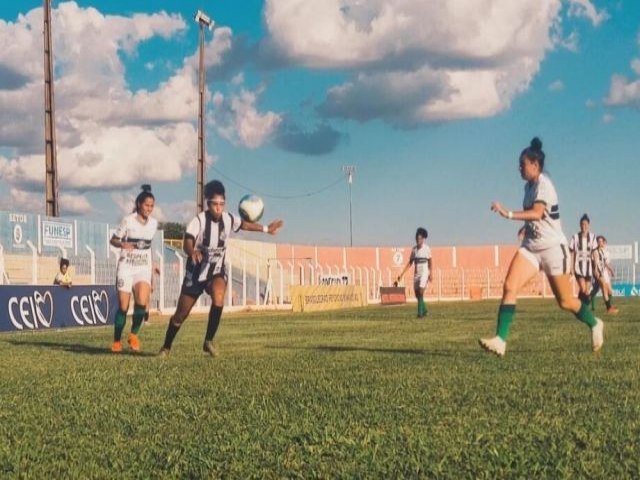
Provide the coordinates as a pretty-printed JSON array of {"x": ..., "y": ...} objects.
[
  {"x": 203, "y": 21},
  {"x": 51, "y": 162},
  {"x": 350, "y": 170}
]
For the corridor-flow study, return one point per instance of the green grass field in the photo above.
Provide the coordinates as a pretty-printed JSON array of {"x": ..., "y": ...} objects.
[{"x": 369, "y": 393}]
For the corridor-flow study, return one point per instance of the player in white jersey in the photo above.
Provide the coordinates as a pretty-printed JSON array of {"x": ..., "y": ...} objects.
[
  {"x": 543, "y": 248},
  {"x": 133, "y": 237},
  {"x": 205, "y": 243},
  {"x": 581, "y": 246},
  {"x": 602, "y": 272},
  {"x": 421, "y": 259}
]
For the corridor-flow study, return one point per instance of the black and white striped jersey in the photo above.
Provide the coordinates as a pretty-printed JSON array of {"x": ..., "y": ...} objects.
[
  {"x": 210, "y": 237},
  {"x": 583, "y": 246}
]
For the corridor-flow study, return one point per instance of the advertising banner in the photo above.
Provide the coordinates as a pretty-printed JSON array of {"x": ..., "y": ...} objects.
[
  {"x": 392, "y": 295},
  {"x": 57, "y": 234},
  {"x": 39, "y": 307},
  {"x": 625, "y": 290},
  {"x": 317, "y": 298}
]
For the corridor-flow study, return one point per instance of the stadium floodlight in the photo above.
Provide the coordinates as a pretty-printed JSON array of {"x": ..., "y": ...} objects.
[{"x": 203, "y": 20}]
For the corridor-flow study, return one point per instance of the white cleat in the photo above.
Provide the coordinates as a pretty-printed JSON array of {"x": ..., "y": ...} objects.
[
  {"x": 494, "y": 345},
  {"x": 597, "y": 335}
]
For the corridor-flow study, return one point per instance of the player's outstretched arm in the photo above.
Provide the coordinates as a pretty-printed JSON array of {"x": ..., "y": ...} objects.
[
  {"x": 271, "y": 229},
  {"x": 534, "y": 213}
]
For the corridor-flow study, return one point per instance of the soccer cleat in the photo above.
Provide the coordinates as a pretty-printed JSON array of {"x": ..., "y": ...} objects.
[
  {"x": 494, "y": 345},
  {"x": 116, "y": 347},
  {"x": 597, "y": 335},
  {"x": 207, "y": 347},
  {"x": 164, "y": 352},
  {"x": 134, "y": 342},
  {"x": 613, "y": 310}
]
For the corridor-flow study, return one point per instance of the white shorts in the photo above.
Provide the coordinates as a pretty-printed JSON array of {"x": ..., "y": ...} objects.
[
  {"x": 553, "y": 261},
  {"x": 420, "y": 282},
  {"x": 127, "y": 277}
]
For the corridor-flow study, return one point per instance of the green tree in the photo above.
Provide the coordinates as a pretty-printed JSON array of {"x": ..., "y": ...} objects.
[{"x": 172, "y": 230}]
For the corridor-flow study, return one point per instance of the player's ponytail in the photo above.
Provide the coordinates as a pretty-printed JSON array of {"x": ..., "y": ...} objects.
[
  {"x": 534, "y": 152},
  {"x": 142, "y": 196}
]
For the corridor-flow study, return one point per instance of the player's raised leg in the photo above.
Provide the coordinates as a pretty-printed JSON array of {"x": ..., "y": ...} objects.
[{"x": 561, "y": 286}]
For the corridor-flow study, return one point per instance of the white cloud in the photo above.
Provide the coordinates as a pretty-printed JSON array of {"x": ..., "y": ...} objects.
[
  {"x": 623, "y": 92},
  {"x": 71, "y": 204},
  {"x": 556, "y": 86},
  {"x": 635, "y": 65},
  {"x": 237, "y": 119},
  {"x": 455, "y": 59},
  {"x": 608, "y": 118},
  {"x": 586, "y": 9}
]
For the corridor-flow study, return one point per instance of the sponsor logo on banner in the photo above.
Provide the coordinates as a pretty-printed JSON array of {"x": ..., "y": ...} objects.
[
  {"x": 32, "y": 311},
  {"x": 90, "y": 309},
  {"x": 316, "y": 298},
  {"x": 334, "y": 280},
  {"x": 17, "y": 219},
  {"x": 57, "y": 234},
  {"x": 398, "y": 257}
]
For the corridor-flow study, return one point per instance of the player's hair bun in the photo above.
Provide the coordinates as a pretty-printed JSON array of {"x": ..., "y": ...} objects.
[
  {"x": 536, "y": 144},
  {"x": 146, "y": 187},
  {"x": 584, "y": 218}
]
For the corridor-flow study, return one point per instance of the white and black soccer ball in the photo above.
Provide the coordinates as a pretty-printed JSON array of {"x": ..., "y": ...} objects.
[{"x": 251, "y": 208}]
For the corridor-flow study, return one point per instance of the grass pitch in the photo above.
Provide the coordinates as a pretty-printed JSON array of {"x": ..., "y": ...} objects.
[{"x": 369, "y": 393}]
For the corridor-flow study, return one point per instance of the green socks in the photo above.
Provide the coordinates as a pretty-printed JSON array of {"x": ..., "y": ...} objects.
[
  {"x": 138, "y": 317},
  {"x": 422, "y": 307},
  {"x": 120, "y": 320},
  {"x": 585, "y": 316},
  {"x": 505, "y": 317}
]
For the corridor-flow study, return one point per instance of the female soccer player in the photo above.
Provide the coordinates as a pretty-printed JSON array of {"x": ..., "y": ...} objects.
[
  {"x": 543, "y": 248},
  {"x": 421, "y": 258},
  {"x": 603, "y": 273},
  {"x": 581, "y": 246},
  {"x": 205, "y": 243},
  {"x": 133, "y": 237}
]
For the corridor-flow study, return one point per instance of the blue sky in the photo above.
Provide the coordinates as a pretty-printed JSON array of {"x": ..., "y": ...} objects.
[{"x": 431, "y": 103}]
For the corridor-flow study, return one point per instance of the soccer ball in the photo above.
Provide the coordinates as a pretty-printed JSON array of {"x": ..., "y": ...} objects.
[{"x": 251, "y": 208}]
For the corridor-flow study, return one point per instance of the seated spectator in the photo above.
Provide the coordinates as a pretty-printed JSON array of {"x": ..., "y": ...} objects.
[{"x": 63, "y": 277}]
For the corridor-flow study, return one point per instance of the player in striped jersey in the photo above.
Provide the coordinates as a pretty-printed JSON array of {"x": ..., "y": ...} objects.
[
  {"x": 543, "y": 248},
  {"x": 582, "y": 245},
  {"x": 205, "y": 243},
  {"x": 421, "y": 258},
  {"x": 133, "y": 237},
  {"x": 602, "y": 272}
]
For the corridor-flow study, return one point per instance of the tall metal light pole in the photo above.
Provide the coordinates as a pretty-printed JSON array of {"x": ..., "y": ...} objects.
[
  {"x": 51, "y": 163},
  {"x": 204, "y": 21},
  {"x": 349, "y": 170}
]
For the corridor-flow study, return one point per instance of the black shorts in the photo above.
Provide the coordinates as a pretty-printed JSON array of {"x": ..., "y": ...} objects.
[
  {"x": 586, "y": 277},
  {"x": 195, "y": 289}
]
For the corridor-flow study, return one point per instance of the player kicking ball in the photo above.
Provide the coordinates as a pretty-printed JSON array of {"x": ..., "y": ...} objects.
[
  {"x": 421, "y": 258},
  {"x": 205, "y": 243},
  {"x": 544, "y": 248}
]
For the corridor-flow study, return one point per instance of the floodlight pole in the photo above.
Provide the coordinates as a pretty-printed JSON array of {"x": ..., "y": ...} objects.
[
  {"x": 349, "y": 170},
  {"x": 51, "y": 163},
  {"x": 203, "y": 21}
]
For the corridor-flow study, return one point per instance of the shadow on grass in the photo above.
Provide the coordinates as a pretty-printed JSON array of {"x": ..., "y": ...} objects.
[
  {"x": 353, "y": 348},
  {"x": 80, "y": 348}
]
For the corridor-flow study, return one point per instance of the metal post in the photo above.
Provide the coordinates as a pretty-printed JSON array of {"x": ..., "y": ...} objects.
[
  {"x": 203, "y": 21},
  {"x": 92, "y": 264},
  {"x": 349, "y": 170},
  {"x": 51, "y": 163}
]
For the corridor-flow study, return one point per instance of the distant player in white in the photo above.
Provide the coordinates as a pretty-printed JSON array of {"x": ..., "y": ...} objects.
[
  {"x": 602, "y": 272},
  {"x": 543, "y": 248},
  {"x": 205, "y": 243},
  {"x": 421, "y": 259},
  {"x": 133, "y": 237},
  {"x": 582, "y": 246}
]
